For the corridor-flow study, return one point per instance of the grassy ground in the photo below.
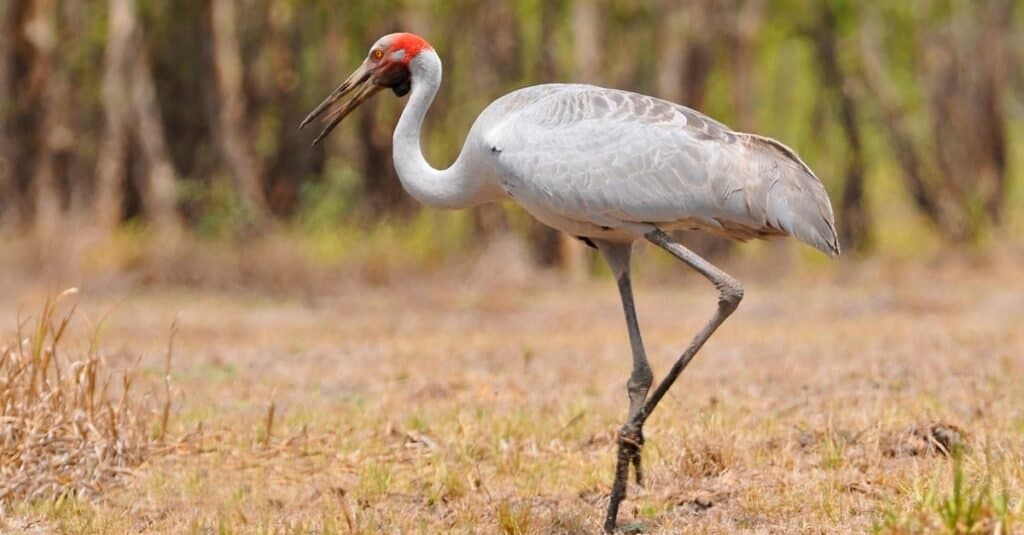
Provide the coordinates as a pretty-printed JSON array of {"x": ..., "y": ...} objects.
[{"x": 827, "y": 403}]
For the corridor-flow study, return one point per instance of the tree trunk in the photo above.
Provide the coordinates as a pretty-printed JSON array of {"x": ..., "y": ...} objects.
[
  {"x": 117, "y": 108},
  {"x": 20, "y": 121},
  {"x": 745, "y": 25},
  {"x": 159, "y": 192},
  {"x": 7, "y": 11},
  {"x": 697, "y": 61},
  {"x": 957, "y": 180},
  {"x": 288, "y": 165},
  {"x": 996, "y": 36},
  {"x": 672, "y": 28},
  {"x": 586, "y": 46},
  {"x": 231, "y": 132},
  {"x": 53, "y": 136},
  {"x": 854, "y": 221},
  {"x": 967, "y": 77},
  {"x": 926, "y": 197}
]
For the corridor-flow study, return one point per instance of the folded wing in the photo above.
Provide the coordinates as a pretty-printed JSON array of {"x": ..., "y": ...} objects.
[{"x": 609, "y": 157}]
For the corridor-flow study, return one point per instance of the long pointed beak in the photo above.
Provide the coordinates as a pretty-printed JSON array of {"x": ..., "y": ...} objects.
[{"x": 337, "y": 109}]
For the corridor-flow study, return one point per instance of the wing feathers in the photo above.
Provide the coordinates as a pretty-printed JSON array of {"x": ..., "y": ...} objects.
[
  {"x": 795, "y": 201},
  {"x": 604, "y": 156}
]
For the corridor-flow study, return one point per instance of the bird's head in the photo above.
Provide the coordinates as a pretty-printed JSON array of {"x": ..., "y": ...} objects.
[{"x": 385, "y": 66}]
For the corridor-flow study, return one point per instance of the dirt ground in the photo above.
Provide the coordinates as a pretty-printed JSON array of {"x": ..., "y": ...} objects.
[{"x": 826, "y": 404}]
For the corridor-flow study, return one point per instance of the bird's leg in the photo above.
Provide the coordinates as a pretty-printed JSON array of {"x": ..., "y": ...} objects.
[
  {"x": 631, "y": 437},
  {"x": 730, "y": 292}
]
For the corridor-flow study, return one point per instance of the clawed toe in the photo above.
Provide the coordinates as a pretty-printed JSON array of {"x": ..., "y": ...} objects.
[
  {"x": 638, "y": 470},
  {"x": 632, "y": 443}
]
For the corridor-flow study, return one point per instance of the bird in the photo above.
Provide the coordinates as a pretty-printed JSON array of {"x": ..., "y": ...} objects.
[{"x": 611, "y": 168}]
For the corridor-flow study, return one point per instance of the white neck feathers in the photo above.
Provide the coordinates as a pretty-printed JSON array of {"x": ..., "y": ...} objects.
[{"x": 454, "y": 187}]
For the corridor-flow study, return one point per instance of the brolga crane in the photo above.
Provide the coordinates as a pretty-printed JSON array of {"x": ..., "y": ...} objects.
[{"x": 609, "y": 167}]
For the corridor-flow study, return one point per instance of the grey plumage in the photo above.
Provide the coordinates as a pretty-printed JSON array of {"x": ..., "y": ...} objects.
[{"x": 588, "y": 159}]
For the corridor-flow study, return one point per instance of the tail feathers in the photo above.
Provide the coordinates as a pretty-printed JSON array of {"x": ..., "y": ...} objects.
[
  {"x": 811, "y": 225},
  {"x": 796, "y": 200}
]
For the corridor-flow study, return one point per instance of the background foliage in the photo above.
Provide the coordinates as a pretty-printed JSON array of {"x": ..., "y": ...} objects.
[{"x": 180, "y": 117}]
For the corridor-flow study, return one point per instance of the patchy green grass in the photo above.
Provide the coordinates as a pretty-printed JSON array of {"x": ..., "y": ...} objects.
[
  {"x": 960, "y": 501},
  {"x": 867, "y": 398}
]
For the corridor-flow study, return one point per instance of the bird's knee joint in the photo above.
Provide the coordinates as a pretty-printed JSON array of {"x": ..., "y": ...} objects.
[
  {"x": 730, "y": 294},
  {"x": 640, "y": 381},
  {"x": 631, "y": 436}
]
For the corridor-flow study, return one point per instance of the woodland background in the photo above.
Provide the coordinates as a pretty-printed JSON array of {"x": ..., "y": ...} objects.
[
  {"x": 129, "y": 126},
  {"x": 262, "y": 336}
]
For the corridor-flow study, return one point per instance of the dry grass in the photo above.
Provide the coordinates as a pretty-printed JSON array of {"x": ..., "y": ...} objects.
[
  {"x": 66, "y": 431},
  {"x": 865, "y": 399}
]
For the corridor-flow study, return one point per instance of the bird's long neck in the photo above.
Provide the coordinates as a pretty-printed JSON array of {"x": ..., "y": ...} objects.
[{"x": 454, "y": 187}]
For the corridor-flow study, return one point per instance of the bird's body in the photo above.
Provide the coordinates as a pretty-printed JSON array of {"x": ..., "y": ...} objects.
[
  {"x": 607, "y": 166},
  {"x": 590, "y": 161}
]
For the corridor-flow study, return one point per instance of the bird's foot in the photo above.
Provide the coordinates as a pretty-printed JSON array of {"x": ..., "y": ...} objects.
[
  {"x": 631, "y": 444},
  {"x": 632, "y": 441}
]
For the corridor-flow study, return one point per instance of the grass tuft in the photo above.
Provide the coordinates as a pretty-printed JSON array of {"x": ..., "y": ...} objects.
[
  {"x": 967, "y": 505},
  {"x": 65, "y": 432},
  {"x": 513, "y": 518}
]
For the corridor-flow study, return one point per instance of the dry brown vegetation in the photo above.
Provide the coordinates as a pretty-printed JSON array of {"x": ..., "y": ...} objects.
[
  {"x": 61, "y": 431},
  {"x": 847, "y": 398}
]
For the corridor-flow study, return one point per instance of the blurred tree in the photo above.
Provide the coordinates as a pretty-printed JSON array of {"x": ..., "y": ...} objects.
[
  {"x": 23, "y": 88},
  {"x": 54, "y": 133},
  {"x": 741, "y": 31},
  {"x": 190, "y": 92},
  {"x": 158, "y": 189},
  {"x": 955, "y": 169},
  {"x": 698, "y": 57},
  {"x": 967, "y": 79},
  {"x": 232, "y": 130},
  {"x": 131, "y": 109},
  {"x": 111, "y": 162},
  {"x": 853, "y": 221},
  {"x": 8, "y": 188},
  {"x": 278, "y": 106}
]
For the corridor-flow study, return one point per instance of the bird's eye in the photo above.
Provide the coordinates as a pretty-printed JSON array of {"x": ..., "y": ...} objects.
[{"x": 377, "y": 54}]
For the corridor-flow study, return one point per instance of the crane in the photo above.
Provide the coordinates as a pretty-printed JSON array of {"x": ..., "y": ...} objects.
[{"x": 609, "y": 167}]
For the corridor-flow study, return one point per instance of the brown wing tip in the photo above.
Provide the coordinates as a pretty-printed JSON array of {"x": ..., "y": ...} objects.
[{"x": 833, "y": 243}]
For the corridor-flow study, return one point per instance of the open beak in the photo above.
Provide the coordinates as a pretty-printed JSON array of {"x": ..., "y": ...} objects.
[{"x": 361, "y": 87}]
